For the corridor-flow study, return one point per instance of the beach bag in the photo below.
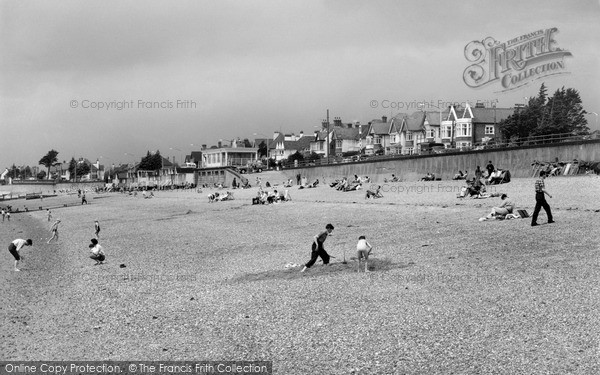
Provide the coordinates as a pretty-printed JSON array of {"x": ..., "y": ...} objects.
[{"x": 523, "y": 213}]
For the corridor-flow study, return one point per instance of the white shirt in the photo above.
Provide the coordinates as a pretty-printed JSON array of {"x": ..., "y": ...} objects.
[
  {"x": 19, "y": 243},
  {"x": 363, "y": 245}
]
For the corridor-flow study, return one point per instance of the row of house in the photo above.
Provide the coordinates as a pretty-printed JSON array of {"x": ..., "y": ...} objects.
[{"x": 402, "y": 134}]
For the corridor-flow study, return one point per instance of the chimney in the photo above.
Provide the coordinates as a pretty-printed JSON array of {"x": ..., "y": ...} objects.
[
  {"x": 219, "y": 144},
  {"x": 324, "y": 124},
  {"x": 384, "y": 118},
  {"x": 301, "y": 134},
  {"x": 337, "y": 121},
  {"x": 203, "y": 147}
]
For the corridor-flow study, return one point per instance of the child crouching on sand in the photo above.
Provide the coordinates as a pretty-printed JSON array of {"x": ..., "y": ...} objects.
[
  {"x": 97, "y": 252},
  {"x": 363, "y": 249}
]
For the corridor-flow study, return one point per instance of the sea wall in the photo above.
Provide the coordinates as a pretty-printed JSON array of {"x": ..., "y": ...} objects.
[{"x": 517, "y": 160}]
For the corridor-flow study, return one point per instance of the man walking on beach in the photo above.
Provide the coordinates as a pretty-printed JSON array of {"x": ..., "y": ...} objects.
[
  {"x": 15, "y": 247},
  {"x": 540, "y": 200}
]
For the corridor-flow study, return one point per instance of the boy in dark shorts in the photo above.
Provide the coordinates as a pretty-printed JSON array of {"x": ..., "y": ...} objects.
[
  {"x": 15, "y": 247},
  {"x": 317, "y": 248}
]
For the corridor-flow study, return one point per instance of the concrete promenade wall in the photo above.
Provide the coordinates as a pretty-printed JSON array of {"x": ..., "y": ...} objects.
[{"x": 517, "y": 159}]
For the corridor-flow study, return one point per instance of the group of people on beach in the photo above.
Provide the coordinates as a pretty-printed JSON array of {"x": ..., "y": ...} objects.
[
  {"x": 363, "y": 250},
  {"x": 97, "y": 252}
]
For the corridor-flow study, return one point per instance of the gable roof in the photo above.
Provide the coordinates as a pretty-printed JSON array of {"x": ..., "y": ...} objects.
[
  {"x": 491, "y": 115},
  {"x": 379, "y": 127},
  {"x": 414, "y": 123},
  {"x": 347, "y": 133},
  {"x": 301, "y": 144}
]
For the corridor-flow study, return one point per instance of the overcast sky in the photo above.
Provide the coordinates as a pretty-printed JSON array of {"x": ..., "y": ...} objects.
[{"x": 252, "y": 67}]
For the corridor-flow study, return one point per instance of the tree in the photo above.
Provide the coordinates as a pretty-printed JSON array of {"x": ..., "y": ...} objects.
[
  {"x": 247, "y": 143},
  {"x": 78, "y": 169},
  {"x": 151, "y": 162},
  {"x": 293, "y": 157},
  {"x": 41, "y": 175},
  {"x": 559, "y": 114},
  {"x": 49, "y": 160},
  {"x": 14, "y": 172},
  {"x": 262, "y": 149}
]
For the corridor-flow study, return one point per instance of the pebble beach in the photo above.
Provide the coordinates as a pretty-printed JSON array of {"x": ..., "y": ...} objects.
[{"x": 186, "y": 279}]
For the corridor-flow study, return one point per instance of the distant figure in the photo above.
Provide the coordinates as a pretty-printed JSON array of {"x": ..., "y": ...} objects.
[
  {"x": 3, "y": 214},
  {"x": 478, "y": 173},
  {"x": 298, "y": 178},
  {"x": 234, "y": 183},
  {"x": 15, "y": 247},
  {"x": 83, "y": 200},
  {"x": 490, "y": 168},
  {"x": 49, "y": 213},
  {"x": 97, "y": 229}
]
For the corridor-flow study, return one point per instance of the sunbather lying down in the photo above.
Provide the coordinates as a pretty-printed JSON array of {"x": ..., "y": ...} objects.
[
  {"x": 374, "y": 194},
  {"x": 308, "y": 186}
]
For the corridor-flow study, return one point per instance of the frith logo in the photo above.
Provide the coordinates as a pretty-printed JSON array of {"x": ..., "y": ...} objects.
[{"x": 514, "y": 63}]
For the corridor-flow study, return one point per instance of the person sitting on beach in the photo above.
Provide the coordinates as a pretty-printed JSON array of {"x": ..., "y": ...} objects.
[
  {"x": 501, "y": 211},
  {"x": 97, "y": 252},
  {"x": 374, "y": 194},
  {"x": 460, "y": 176},
  {"x": 314, "y": 184},
  {"x": 212, "y": 197},
  {"x": 353, "y": 186},
  {"x": 335, "y": 183},
  {"x": 286, "y": 196},
  {"x": 366, "y": 180},
  {"x": 343, "y": 185}
]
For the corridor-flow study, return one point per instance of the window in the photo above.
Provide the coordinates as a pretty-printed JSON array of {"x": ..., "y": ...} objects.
[
  {"x": 489, "y": 129},
  {"x": 446, "y": 129},
  {"x": 409, "y": 136},
  {"x": 431, "y": 133},
  {"x": 338, "y": 143},
  {"x": 409, "y": 151},
  {"x": 463, "y": 129},
  {"x": 377, "y": 140}
]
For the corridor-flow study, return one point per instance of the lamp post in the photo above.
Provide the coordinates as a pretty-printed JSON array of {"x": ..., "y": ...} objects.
[{"x": 328, "y": 146}]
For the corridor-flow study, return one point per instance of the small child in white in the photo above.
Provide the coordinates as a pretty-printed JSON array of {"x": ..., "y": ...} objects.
[{"x": 363, "y": 249}]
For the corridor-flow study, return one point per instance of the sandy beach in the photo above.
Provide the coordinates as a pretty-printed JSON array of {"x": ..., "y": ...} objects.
[{"x": 207, "y": 281}]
